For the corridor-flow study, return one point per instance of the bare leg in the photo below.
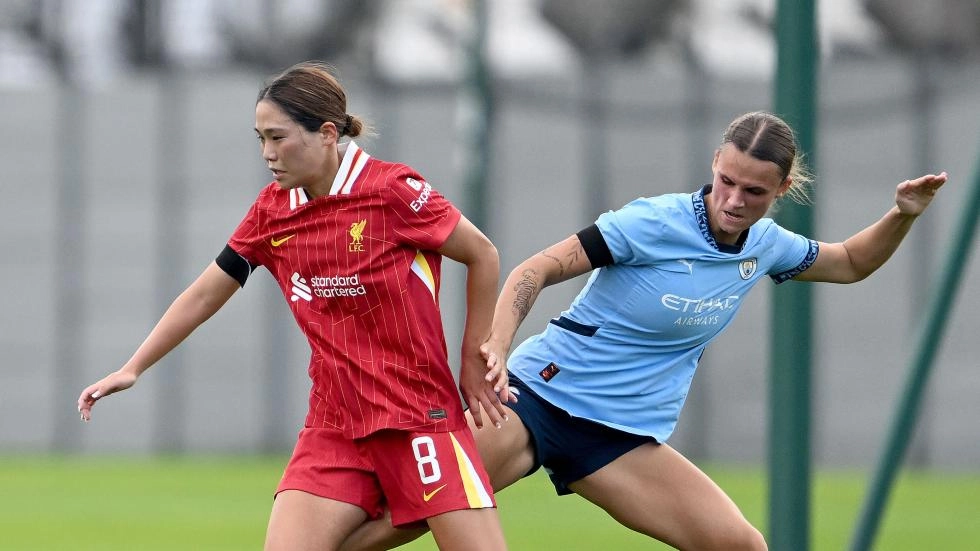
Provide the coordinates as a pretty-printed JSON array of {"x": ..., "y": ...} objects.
[
  {"x": 305, "y": 522},
  {"x": 380, "y": 535},
  {"x": 656, "y": 491},
  {"x": 507, "y": 455},
  {"x": 468, "y": 530},
  {"x": 506, "y": 452}
]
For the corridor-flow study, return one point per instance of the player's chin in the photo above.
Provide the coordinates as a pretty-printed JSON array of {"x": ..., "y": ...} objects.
[
  {"x": 287, "y": 180},
  {"x": 735, "y": 224},
  {"x": 731, "y": 230}
]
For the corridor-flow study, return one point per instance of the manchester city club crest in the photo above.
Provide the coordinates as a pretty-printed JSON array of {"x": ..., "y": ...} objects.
[{"x": 747, "y": 267}]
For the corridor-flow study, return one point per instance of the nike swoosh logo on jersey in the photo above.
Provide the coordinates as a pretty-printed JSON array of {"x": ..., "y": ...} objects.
[
  {"x": 426, "y": 496},
  {"x": 276, "y": 242}
]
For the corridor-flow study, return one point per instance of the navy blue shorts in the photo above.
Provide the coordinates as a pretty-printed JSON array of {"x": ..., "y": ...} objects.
[{"x": 569, "y": 448}]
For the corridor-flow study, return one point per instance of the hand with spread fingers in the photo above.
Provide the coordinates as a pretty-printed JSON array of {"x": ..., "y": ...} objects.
[{"x": 913, "y": 196}]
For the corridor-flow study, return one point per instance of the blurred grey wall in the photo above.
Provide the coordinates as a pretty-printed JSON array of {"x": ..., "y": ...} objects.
[{"x": 239, "y": 384}]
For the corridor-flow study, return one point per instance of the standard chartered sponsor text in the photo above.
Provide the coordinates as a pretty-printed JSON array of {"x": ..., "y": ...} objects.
[{"x": 337, "y": 286}]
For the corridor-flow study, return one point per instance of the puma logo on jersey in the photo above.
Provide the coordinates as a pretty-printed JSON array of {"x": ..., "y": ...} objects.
[
  {"x": 276, "y": 242},
  {"x": 426, "y": 496},
  {"x": 688, "y": 263}
]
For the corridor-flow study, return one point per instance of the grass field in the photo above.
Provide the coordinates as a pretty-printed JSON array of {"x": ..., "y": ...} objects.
[{"x": 222, "y": 503}]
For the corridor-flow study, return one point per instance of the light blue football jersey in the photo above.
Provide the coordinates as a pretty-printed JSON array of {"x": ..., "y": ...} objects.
[{"x": 624, "y": 353}]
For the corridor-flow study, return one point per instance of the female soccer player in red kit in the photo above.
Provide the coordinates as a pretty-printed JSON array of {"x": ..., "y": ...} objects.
[{"x": 355, "y": 244}]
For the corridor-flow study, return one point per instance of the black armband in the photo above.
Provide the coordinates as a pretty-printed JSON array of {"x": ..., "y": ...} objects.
[
  {"x": 595, "y": 246},
  {"x": 234, "y": 265}
]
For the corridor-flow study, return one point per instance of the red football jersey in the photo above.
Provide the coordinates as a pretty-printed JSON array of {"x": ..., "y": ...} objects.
[{"x": 359, "y": 271}]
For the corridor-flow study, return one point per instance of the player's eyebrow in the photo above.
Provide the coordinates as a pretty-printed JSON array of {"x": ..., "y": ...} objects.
[
  {"x": 747, "y": 185},
  {"x": 269, "y": 130}
]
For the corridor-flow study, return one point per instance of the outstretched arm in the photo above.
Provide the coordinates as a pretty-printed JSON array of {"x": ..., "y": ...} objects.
[
  {"x": 194, "y": 306},
  {"x": 559, "y": 262},
  {"x": 866, "y": 251}
]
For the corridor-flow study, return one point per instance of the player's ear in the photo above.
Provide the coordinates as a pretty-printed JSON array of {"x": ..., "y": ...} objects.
[
  {"x": 328, "y": 132},
  {"x": 784, "y": 186}
]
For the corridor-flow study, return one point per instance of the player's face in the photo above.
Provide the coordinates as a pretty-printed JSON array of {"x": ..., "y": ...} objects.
[
  {"x": 296, "y": 156},
  {"x": 742, "y": 191}
]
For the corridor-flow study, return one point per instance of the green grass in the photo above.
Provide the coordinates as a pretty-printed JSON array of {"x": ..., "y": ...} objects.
[{"x": 110, "y": 504}]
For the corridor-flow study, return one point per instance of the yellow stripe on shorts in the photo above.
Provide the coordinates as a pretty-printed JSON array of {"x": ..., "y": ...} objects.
[{"x": 476, "y": 492}]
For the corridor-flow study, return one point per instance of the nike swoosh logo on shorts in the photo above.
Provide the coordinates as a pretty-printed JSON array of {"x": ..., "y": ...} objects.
[{"x": 426, "y": 496}]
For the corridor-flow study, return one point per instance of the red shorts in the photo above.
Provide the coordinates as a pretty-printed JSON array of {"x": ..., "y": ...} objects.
[{"x": 417, "y": 475}]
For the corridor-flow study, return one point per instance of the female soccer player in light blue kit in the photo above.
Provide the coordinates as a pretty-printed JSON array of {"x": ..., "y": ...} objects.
[{"x": 601, "y": 388}]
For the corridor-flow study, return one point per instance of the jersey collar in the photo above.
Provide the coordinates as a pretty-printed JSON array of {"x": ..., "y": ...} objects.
[
  {"x": 701, "y": 214},
  {"x": 350, "y": 168}
]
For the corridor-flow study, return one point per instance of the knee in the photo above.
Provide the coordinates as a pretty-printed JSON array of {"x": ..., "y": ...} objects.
[
  {"x": 743, "y": 537},
  {"x": 752, "y": 539}
]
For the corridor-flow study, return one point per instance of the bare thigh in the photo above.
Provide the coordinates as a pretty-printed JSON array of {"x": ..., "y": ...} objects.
[
  {"x": 507, "y": 456},
  {"x": 506, "y": 452},
  {"x": 468, "y": 530},
  {"x": 304, "y": 522},
  {"x": 656, "y": 491}
]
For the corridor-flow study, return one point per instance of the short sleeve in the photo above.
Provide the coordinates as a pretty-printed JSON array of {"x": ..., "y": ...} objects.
[
  {"x": 633, "y": 232},
  {"x": 423, "y": 218},
  {"x": 795, "y": 254}
]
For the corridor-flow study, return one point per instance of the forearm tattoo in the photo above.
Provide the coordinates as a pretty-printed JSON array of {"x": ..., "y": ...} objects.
[
  {"x": 526, "y": 289},
  {"x": 570, "y": 259}
]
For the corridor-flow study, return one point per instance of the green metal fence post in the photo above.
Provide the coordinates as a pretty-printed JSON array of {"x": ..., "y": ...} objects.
[
  {"x": 477, "y": 114},
  {"x": 791, "y": 329}
]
